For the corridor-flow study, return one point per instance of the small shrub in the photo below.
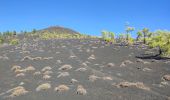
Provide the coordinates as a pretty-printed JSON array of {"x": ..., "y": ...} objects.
[
  {"x": 81, "y": 90},
  {"x": 62, "y": 88},
  {"x": 43, "y": 87},
  {"x": 18, "y": 91},
  {"x": 14, "y": 41}
]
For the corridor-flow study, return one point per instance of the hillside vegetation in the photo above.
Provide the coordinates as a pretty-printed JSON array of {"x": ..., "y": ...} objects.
[{"x": 159, "y": 39}]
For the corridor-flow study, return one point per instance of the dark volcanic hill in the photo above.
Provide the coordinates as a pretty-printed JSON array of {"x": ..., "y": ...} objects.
[{"x": 59, "y": 29}]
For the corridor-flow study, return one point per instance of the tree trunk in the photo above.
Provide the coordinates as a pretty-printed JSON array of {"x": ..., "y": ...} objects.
[
  {"x": 160, "y": 51},
  {"x": 144, "y": 41},
  {"x": 137, "y": 39}
]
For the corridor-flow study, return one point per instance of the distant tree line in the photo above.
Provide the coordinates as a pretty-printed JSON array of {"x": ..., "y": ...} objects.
[{"x": 159, "y": 39}]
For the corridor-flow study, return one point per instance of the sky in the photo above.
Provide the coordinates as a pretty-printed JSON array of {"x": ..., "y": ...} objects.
[{"x": 85, "y": 16}]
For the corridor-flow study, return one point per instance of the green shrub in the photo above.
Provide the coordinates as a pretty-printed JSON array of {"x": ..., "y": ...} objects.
[
  {"x": 14, "y": 41},
  {"x": 161, "y": 39},
  {"x": 1, "y": 41},
  {"x": 108, "y": 36}
]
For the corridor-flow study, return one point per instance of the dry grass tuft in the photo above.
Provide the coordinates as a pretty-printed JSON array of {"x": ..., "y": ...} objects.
[
  {"x": 27, "y": 58},
  {"x": 141, "y": 61},
  {"x": 19, "y": 71},
  {"x": 72, "y": 56},
  {"x": 20, "y": 75},
  {"x": 164, "y": 83},
  {"x": 110, "y": 65},
  {"x": 139, "y": 85},
  {"x": 122, "y": 64},
  {"x": 29, "y": 68},
  {"x": 21, "y": 83},
  {"x": 146, "y": 62},
  {"x": 167, "y": 62},
  {"x": 92, "y": 57},
  {"x": 81, "y": 69},
  {"x": 93, "y": 78},
  {"x": 147, "y": 69},
  {"x": 37, "y": 73},
  {"x": 81, "y": 90},
  {"x": 166, "y": 77},
  {"x": 17, "y": 91},
  {"x": 47, "y": 72},
  {"x": 84, "y": 64},
  {"x": 62, "y": 88},
  {"x": 24, "y": 52},
  {"x": 43, "y": 87},
  {"x": 47, "y": 58},
  {"x": 63, "y": 74},
  {"x": 37, "y": 58},
  {"x": 65, "y": 67},
  {"x": 46, "y": 77},
  {"x": 15, "y": 67},
  {"x": 74, "y": 81},
  {"x": 59, "y": 61},
  {"x": 128, "y": 62},
  {"x": 107, "y": 78},
  {"x": 46, "y": 68}
]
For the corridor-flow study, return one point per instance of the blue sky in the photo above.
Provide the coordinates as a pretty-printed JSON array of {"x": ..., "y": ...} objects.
[{"x": 85, "y": 16}]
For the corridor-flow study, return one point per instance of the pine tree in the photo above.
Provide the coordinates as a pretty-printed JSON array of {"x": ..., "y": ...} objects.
[
  {"x": 139, "y": 35},
  {"x": 145, "y": 32}
]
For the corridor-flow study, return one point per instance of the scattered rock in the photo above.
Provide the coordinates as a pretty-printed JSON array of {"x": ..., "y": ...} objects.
[{"x": 44, "y": 86}]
